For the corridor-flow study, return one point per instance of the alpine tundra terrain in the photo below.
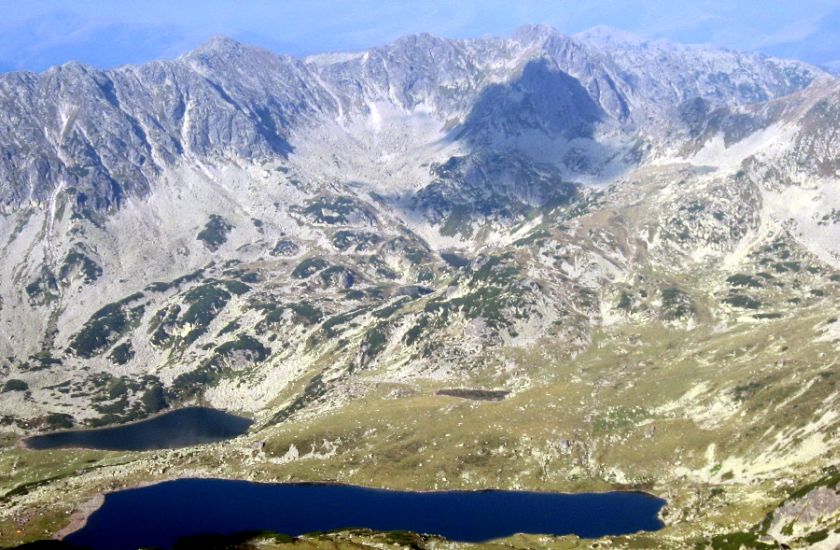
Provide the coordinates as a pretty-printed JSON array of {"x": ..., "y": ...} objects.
[{"x": 541, "y": 262}]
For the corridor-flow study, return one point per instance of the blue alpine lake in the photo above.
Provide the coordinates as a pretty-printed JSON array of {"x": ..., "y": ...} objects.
[
  {"x": 177, "y": 428},
  {"x": 158, "y": 515}
]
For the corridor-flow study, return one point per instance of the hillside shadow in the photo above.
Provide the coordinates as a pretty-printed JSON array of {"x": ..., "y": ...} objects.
[
  {"x": 526, "y": 140},
  {"x": 543, "y": 98}
]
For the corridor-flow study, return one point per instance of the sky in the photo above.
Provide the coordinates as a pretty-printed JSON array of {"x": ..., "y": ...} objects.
[{"x": 37, "y": 34}]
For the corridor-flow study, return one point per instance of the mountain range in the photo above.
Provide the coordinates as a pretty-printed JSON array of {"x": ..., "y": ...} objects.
[{"x": 637, "y": 242}]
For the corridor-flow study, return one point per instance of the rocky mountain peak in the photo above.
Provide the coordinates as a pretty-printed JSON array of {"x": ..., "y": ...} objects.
[
  {"x": 218, "y": 43},
  {"x": 536, "y": 33}
]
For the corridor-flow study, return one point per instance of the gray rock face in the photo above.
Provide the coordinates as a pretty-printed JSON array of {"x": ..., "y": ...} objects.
[
  {"x": 501, "y": 187},
  {"x": 106, "y": 134},
  {"x": 234, "y": 215},
  {"x": 543, "y": 97}
]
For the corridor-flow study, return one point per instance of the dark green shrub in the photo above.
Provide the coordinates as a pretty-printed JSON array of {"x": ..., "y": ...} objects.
[{"x": 13, "y": 384}]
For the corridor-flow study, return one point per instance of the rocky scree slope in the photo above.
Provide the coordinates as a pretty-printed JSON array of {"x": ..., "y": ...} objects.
[{"x": 279, "y": 235}]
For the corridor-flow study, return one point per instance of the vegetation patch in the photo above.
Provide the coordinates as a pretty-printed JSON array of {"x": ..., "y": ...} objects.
[
  {"x": 244, "y": 275},
  {"x": 204, "y": 304},
  {"x": 414, "y": 333},
  {"x": 454, "y": 260},
  {"x": 42, "y": 290},
  {"x": 309, "y": 267},
  {"x": 302, "y": 312},
  {"x": 676, "y": 304},
  {"x": 373, "y": 343},
  {"x": 338, "y": 276},
  {"x": 238, "y": 541},
  {"x": 358, "y": 240},
  {"x": 742, "y": 280},
  {"x": 41, "y": 361},
  {"x": 405, "y": 539},
  {"x": 738, "y": 541},
  {"x": 315, "y": 389},
  {"x": 106, "y": 326},
  {"x": 830, "y": 479},
  {"x": 307, "y": 313},
  {"x": 285, "y": 247},
  {"x": 534, "y": 238},
  {"x": 123, "y": 399},
  {"x": 488, "y": 303},
  {"x": 387, "y": 311},
  {"x": 744, "y": 391},
  {"x": 618, "y": 420},
  {"x": 457, "y": 222},
  {"x": 584, "y": 205},
  {"x": 229, "y": 328},
  {"x": 176, "y": 283},
  {"x": 236, "y": 287},
  {"x": 742, "y": 301},
  {"x": 248, "y": 346},
  {"x": 13, "y": 384},
  {"x": 193, "y": 383},
  {"x": 163, "y": 323},
  {"x": 76, "y": 260},
  {"x": 59, "y": 421},
  {"x": 382, "y": 269},
  {"x": 340, "y": 210},
  {"x": 773, "y": 315},
  {"x": 815, "y": 537},
  {"x": 329, "y": 328},
  {"x": 215, "y": 232},
  {"x": 494, "y": 270},
  {"x": 154, "y": 398},
  {"x": 625, "y": 302},
  {"x": 491, "y": 294},
  {"x": 413, "y": 251},
  {"x": 122, "y": 353}
]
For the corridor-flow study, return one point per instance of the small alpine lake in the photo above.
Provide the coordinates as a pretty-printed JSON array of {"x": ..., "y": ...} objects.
[
  {"x": 190, "y": 507},
  {"x": 177, "y": 428}
]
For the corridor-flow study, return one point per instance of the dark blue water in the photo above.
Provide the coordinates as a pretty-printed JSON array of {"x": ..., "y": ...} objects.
[
  {"x": 179, "y": 428},
  {"x": 158, "y": 515}
]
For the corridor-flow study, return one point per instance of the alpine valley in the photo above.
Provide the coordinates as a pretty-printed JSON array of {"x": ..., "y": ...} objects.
[{"x": 542, "y": 262}]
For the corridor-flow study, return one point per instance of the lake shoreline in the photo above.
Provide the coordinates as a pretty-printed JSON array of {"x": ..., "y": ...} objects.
[
  {"x": 23, "y": 442},
  {"x": 80, "y": 516},
  {"x": 221, "y": 417}
]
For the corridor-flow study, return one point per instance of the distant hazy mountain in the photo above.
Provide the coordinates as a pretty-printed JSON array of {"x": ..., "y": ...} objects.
[
  {"x": 55, "y": 37},
  {"x": 819, "y": 46}
]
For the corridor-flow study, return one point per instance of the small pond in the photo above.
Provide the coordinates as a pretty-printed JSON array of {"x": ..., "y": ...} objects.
[{"x": 158, "y": 515}]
